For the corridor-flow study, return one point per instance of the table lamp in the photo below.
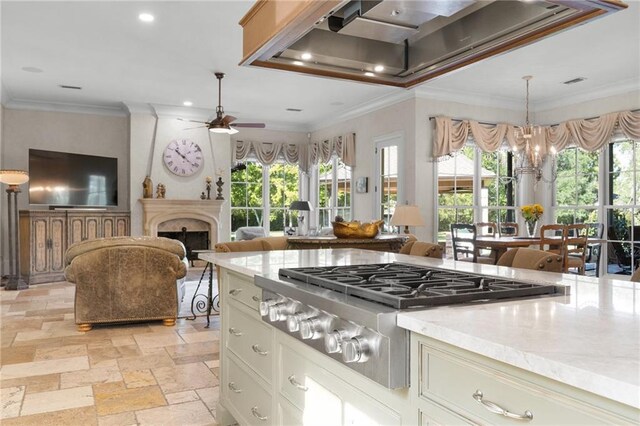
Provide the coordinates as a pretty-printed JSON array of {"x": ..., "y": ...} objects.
[
  {"x": 301, "y": 206},
  {"x": 406, "y": 215},
  {"x": 14, "y": 178}
]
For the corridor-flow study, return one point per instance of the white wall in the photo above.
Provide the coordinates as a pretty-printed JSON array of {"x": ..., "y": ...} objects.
[
  {"x": 145, "y": 156},
  {"x": 265, "y": 135}
]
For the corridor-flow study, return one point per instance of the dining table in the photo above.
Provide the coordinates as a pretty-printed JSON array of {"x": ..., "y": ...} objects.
[{"x": 500, "y": 244}]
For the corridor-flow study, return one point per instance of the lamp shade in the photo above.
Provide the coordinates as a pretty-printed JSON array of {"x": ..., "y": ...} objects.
[
  {"x": 406, "y": 215},
  {"x": 301, "y": 206},
  {"x": 14, "y": 177},
  {"x": 222, "y": 128}
]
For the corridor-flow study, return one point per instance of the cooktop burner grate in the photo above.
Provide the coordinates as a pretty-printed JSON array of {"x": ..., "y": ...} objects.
[{"x": 404, "y": 286}]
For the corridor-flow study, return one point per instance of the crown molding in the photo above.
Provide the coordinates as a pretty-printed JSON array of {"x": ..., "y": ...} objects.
[
  {"x": 613, "y": 89},
  {"x": 361, "y": 109},
  {"x": 29, "y": 105},
  {"x": 472, "y": 98}
]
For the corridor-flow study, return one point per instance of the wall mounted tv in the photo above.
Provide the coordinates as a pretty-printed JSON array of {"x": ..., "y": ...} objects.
[{"x": 65, "y": 179}]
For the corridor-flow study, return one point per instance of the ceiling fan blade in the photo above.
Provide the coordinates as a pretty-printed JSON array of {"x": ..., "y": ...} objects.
[
  {"x": 191, "y": 128},
  {"x": 192, "y": 121},
  {"x": 228, "y": 119},
  {"x": 250, "y": 125}
]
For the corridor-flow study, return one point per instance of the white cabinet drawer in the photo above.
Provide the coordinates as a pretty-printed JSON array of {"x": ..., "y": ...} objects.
[
  {"x": 325, "y": 398},
  {"x": 242, "y": 289},
  {"x": 473, "y": 390},
  {"x": 246, "y": 395},
  {"x": 251, "y": 340}
]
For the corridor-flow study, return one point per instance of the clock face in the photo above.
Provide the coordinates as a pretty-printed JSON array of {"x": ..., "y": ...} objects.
[{"x": 183, "y": 157}]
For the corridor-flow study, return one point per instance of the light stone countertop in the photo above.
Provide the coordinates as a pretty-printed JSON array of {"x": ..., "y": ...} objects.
[{"x": 589, "y": 339}]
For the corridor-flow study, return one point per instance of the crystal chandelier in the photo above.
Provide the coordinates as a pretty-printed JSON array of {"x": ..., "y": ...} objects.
[{"x": 530, "y": 160}]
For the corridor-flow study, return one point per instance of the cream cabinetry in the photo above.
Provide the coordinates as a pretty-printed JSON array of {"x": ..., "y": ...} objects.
[
  {"x": 45, "y": 235},
  {"x": 456, "y": 384},
  {"x": 270, "y": 378}
]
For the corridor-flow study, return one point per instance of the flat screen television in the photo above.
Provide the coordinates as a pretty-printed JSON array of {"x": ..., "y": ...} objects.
[{"x": 66, "y": 179}]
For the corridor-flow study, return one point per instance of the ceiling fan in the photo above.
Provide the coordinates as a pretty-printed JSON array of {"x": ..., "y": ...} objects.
[{"x": 223, "y": 123}]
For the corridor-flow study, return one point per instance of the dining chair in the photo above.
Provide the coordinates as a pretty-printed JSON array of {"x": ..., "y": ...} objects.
[
  {"x": 508, "y": 229},
  {"x": 595, "y": 231},
  {"x": 575, "y": 247},
  {"x": 554, "y": 243},
  {"x": 487, "y": 229},
  {"x": 463, "y": 240}
]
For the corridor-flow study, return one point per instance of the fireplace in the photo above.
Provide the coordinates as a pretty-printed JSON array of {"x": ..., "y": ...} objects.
[{"x": 194, "y": 222}]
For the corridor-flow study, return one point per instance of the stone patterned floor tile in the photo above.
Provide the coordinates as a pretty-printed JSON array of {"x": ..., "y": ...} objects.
[
  {"x": 157, "y": 340},
  {"x": 35, "y": 384},
  {"x": 122, "y": 341},
  {"x": 113, "y": 398},
  {"x": 203, "y": 336},
  {"x": 42, "y": 354},
  {"x": 195, "y": 358},
  {"x": 85, "y": 416},
  {"x": 181, "y": 397},
  {"x": 145, "y": 361},
  {"x": 209, "y": 396},
  {"x": 138, "y": 378},
  {"x": 213, "y": 364},
  {"x": 120, "y": 419},
  {"x": 90, "y": 377},
  {"x": 45, "y": 402},
  {"x": 11, "y": 401},
  {"x": 190, "y": 413},
  {"x": 39, "y": 368},
  {"x": 17, "y": 355},
  {"x": 184, "y": 377},
  {"x": 199, "y": 348}
]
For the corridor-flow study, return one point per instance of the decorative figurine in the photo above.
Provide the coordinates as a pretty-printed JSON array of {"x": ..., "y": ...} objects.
[
  {"x": 160, "y": 191},
  {"x": 147, "y": 188},
  {"x": 208, "y": 180},
  {"x": 202, "y": 196},
  {"x": 219, "y": 184}
]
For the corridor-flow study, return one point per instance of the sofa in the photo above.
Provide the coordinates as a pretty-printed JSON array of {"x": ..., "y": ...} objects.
[
  {"x": 525, "y": 258},
  {"x": 257, "y": 244},
  {"x": 126, "y": 279}
]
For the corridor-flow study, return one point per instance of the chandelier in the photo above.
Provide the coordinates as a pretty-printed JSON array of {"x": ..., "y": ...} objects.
[{"x": 530, "y": 160}]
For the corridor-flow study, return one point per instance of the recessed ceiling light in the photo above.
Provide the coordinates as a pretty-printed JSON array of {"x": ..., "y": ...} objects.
[
  {"x": 298, "y": 63},
  {"x": 369, "y": 74},
  {"x": 395, "y": 12},
  {"x": 378, "y": 68},
  {"x": 306, "y": 56},
  {"x": 146, "y": 17},
  {"x": 187, "y": 103},
  {"x": 31, "y": 69}
]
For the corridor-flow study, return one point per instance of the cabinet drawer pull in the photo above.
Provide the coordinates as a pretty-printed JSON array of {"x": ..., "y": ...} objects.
[
  {"x": 496, "y": 409},
  {"x": 259, "y": 351},
  {"x": 256, "y": 414},
  {"x": 297, "y": 384},
  {"x": 233, "y": 388},
  {"x": 256, "y": 298},
  {"x": 235, "y": 331},
  {"x": 235, "y": 291}
]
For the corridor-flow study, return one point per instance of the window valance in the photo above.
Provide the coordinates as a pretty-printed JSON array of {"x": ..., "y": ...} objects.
[
  {"x": 589, "y": 134},
  {"x": 302, "y": 155}
]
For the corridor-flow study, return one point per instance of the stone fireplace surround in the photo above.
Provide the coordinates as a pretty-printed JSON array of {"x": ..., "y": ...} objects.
[{"x": 157, "y": 211}]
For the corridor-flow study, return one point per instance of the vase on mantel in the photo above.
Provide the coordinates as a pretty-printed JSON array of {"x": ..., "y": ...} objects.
[{"x": 532, "y": 226}]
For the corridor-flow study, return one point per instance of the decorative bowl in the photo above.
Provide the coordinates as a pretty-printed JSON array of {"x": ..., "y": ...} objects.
[{"x": 356, "y": 229}]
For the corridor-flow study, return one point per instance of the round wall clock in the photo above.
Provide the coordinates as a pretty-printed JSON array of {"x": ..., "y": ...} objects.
[{"x": 183, "y": 157}]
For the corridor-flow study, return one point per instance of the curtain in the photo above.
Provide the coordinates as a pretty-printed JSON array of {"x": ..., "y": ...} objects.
[
  {"x": 588, "y": 134},
  {"x": 343, "y": 146}
]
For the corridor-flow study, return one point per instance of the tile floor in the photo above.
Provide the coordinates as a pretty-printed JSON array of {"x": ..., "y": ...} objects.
[{"x": 137, "y": 374}]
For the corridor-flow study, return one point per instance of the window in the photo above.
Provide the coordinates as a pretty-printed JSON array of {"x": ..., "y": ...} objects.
[
  {"x": 283, "y": 190},
  {"x": 455, "y": 191},
  {"x": 576, "y": 188},
  {"x": 334, "y": 191},
  {"x": 246, "y": 197},
  {"x": 496, "y": 187},
  {"x": 622, "y": 210},
  {"x": 387, "y": 183}
]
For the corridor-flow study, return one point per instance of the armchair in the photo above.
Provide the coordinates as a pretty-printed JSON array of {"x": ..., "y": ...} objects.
[{"x": 125, "y": 279}]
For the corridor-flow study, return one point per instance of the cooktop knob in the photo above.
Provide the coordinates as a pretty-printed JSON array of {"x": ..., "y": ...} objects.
[
  {"x": 310, "y": 328},
  {"x": 355, "y": 350},
  {"x": 293, "y": 322},
  {"x": 333, "y": 341},
  {"x": 264, "y": 307},
  {"x": 277, "y": 312}
]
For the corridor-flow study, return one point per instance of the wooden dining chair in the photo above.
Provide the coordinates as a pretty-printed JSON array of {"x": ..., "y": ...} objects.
[
  {"x": 508, "y": 229},
  {"x": 575, "y": 247},
  {"x": 554, "y": 243},
  {"x": 487, "y": 229},
  {"x": 595, "y": 231},
  {"x": 463, "y": 240}
]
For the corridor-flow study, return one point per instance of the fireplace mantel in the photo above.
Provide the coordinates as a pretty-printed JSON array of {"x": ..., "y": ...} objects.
[{"x": 158, "y": 210}]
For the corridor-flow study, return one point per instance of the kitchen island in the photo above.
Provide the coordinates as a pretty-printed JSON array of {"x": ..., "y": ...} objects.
[{"x": 568, "y": 359}]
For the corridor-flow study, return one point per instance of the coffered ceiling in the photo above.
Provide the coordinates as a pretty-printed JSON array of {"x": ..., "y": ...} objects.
[{"x": 104, "y": 48}]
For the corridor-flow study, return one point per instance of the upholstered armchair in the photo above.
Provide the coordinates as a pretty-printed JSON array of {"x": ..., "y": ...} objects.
[
  {"x": 538, "y": 260},
  {"x": 419, "y": 248},
  {"x": 257, "y": 244},
  {"x": 125, "y": 279}
]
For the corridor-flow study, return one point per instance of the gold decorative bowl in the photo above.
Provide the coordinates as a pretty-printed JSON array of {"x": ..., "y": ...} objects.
[{"x": 356, "y": 229}]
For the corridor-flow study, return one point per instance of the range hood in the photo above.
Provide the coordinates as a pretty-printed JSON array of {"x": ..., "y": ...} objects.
[{"x": 396, "y": 42}]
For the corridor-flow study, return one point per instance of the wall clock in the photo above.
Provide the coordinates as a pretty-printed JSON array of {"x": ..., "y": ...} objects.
[{"x": 183, "y": 157}]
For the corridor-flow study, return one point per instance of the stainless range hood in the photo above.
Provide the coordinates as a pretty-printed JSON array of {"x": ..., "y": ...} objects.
[{"x": 397, "y": 42}]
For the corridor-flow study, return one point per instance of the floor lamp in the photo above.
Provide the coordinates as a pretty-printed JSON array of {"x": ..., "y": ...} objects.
[{"x": 14, "y": 178}]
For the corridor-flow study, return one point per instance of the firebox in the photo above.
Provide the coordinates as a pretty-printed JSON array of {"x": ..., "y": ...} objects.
[{"x": 192, "y": 240}]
